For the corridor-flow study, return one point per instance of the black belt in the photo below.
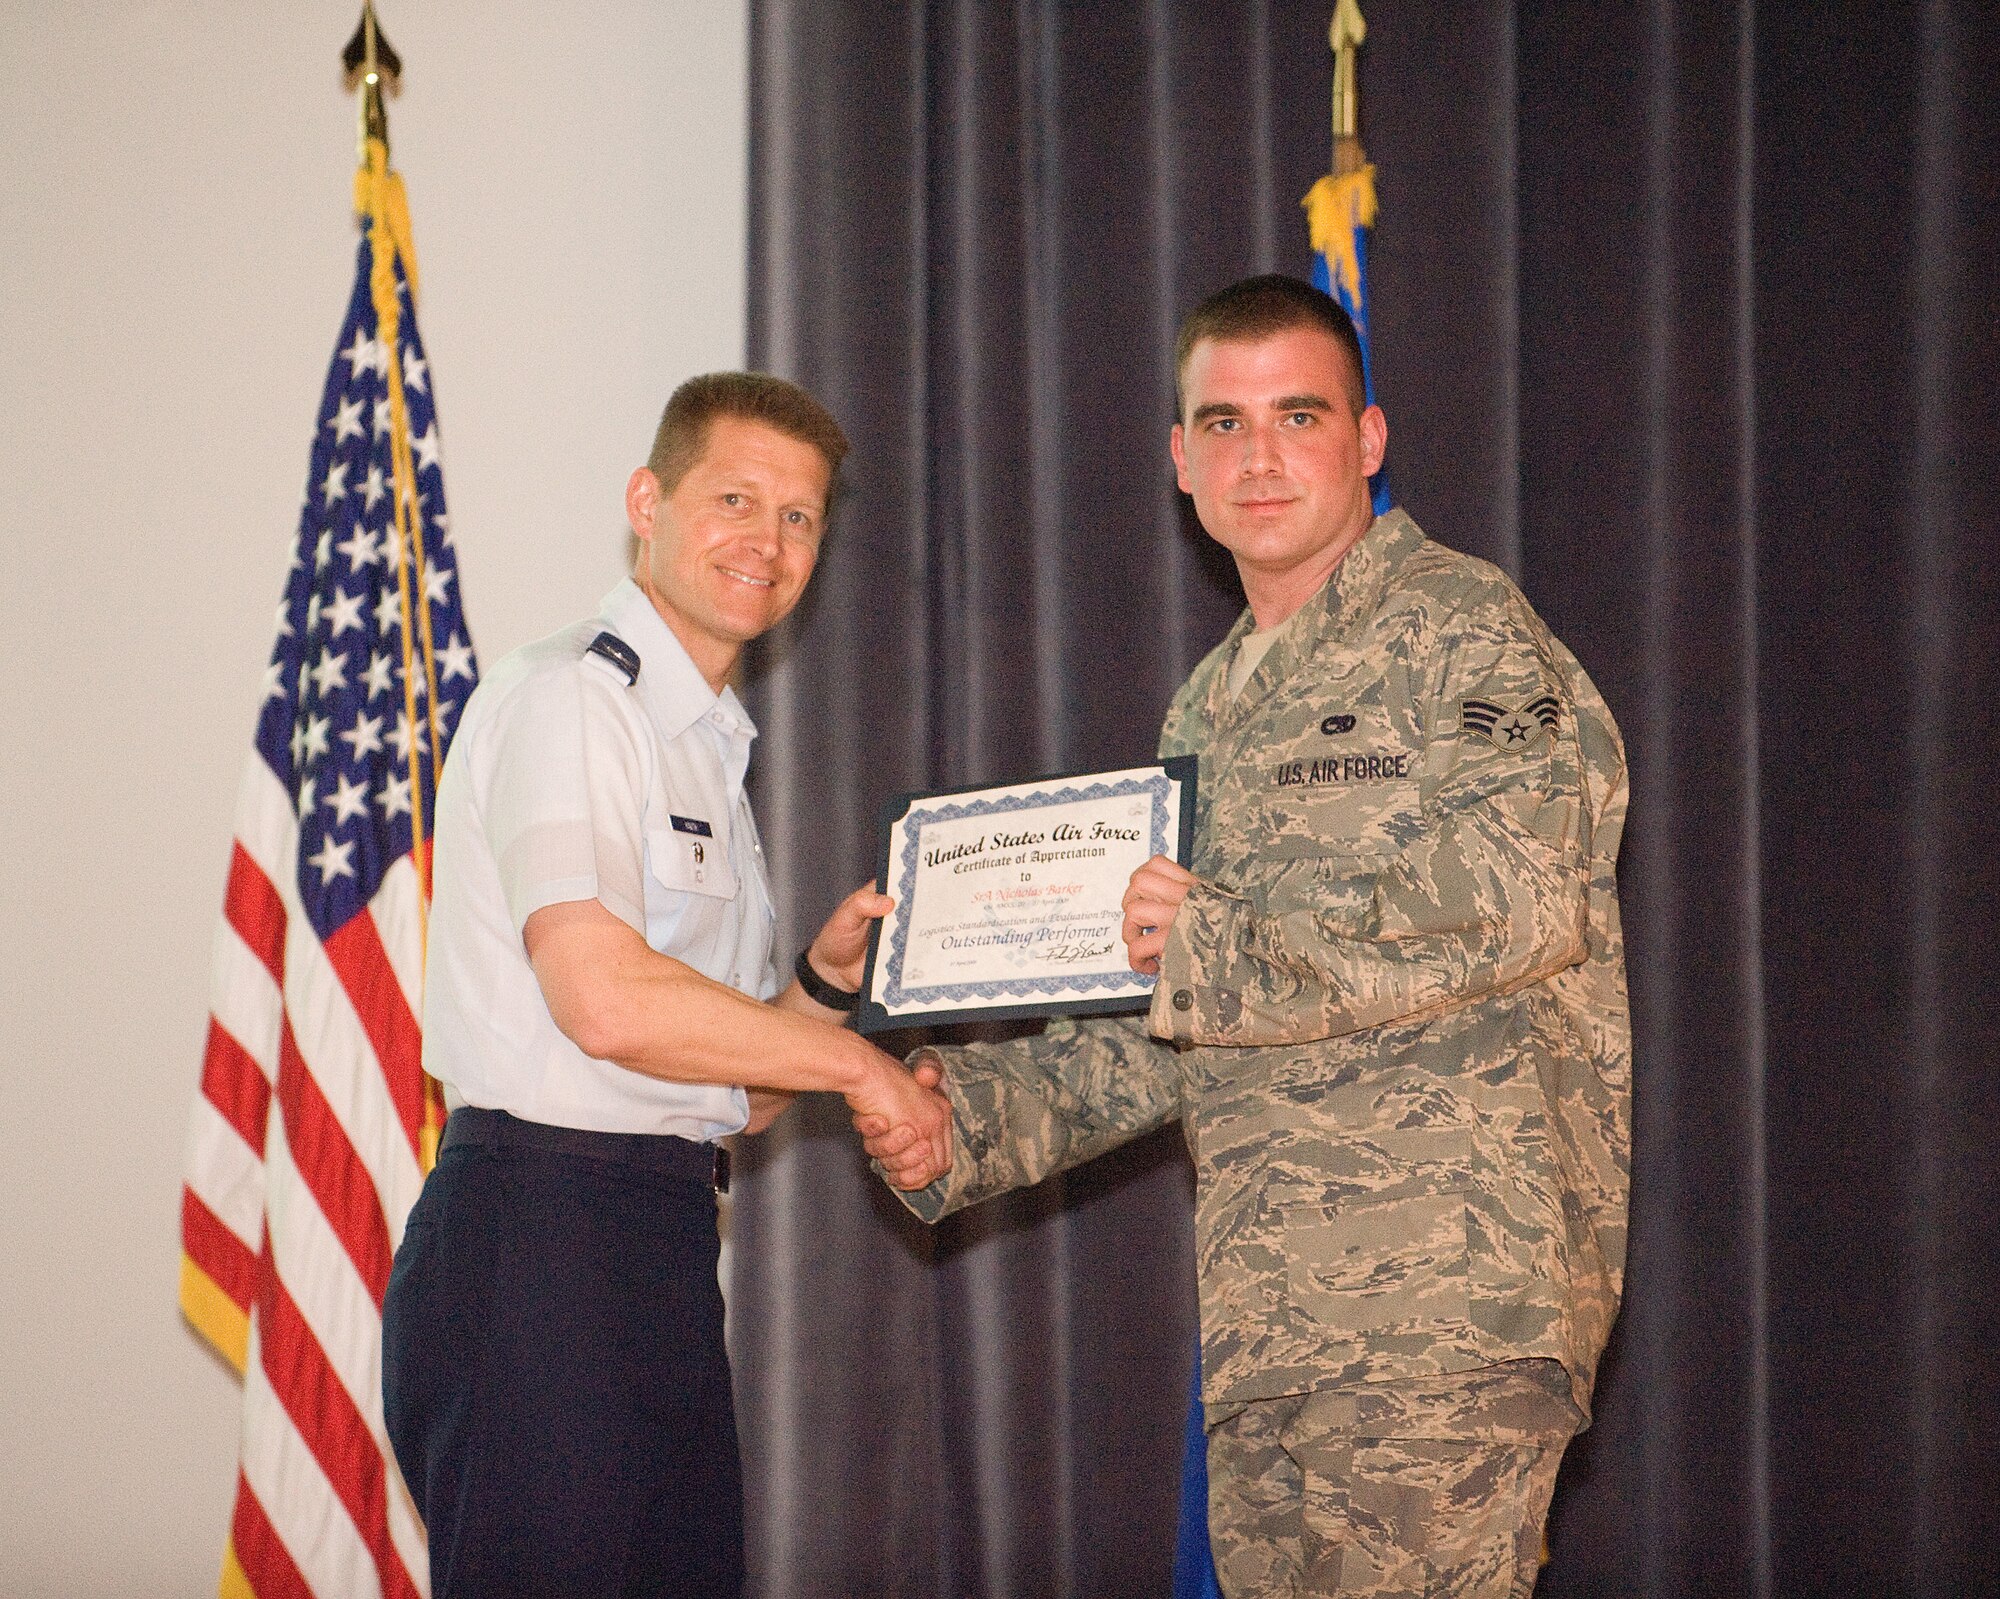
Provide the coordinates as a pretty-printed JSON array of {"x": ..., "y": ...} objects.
[{"x": 655, "y": 1152}]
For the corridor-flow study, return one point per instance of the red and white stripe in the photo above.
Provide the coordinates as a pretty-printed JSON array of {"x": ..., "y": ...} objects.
[{"x": 303, "y": 1163}]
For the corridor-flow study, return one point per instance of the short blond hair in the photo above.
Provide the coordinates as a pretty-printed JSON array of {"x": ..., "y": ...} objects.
[{"x": 752, "y": 397}]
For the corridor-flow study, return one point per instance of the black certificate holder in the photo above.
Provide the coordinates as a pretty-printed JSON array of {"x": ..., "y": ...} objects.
[{"x": 873, "y": 1018}]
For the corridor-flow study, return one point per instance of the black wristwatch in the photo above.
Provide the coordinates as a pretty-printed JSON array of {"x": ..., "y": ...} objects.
[{"x": 820, "y": 991}]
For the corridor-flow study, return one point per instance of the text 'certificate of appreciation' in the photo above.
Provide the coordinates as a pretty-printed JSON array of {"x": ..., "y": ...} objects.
[{"x": 1008, "y": 899}]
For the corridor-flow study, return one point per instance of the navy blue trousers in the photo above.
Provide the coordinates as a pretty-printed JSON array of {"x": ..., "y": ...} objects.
[{"x": 555, "y": 1381}]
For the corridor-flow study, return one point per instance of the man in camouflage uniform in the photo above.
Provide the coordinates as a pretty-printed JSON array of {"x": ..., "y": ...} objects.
[{"x": 1390, "y": 1013}]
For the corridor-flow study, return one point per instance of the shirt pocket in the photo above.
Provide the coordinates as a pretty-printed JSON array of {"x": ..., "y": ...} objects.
[
  {"x": 1362, "y": 819},
  {"x": 1321, "y": 849},
  {"x": 1384, "y": 1245},
  {"x": 690, "y": 894}
]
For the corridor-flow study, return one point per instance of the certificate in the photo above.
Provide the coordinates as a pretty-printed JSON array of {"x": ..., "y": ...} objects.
[{"x": 1008, "y": 898}]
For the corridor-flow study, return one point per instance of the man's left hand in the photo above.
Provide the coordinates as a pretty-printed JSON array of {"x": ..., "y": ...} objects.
[
  {"x": 1151, "y": 901},
  {"x": 839, "y": 952}
]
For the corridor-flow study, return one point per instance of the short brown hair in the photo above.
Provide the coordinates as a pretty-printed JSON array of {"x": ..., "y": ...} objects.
[
  {"x": 750, "y": 397},
  {"x": 1256, "y": 308}
]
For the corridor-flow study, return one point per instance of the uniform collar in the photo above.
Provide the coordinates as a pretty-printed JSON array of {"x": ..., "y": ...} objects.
[
  {"x": 1353, "y": 591},
  {"x": 675, "y": 692},
  {"x": 1342, "y": 605}
]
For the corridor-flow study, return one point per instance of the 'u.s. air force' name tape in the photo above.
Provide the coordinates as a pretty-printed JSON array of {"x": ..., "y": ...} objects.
[{"x": 1341, "y": 769}]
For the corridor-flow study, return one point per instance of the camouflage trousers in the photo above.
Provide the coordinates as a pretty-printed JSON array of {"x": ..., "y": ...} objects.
[{"x": 1423, "y": 1488}]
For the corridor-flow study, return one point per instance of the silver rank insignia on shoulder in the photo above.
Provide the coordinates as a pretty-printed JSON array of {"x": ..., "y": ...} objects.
[
  {"x": 1517, "y": 727},
  {"x": 610, "y": 647}
]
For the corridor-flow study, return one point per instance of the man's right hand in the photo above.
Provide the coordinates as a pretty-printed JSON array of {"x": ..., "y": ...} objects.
[
  {"x": 904, "y": 1114},
  {"x": 1152, "y": 900}
]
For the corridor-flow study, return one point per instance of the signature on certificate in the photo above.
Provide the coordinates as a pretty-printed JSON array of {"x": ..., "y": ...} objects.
[{"x": 1069, "y": 954}]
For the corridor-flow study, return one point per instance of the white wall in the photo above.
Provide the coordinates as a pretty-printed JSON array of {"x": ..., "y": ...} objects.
[{"x": 175, "y": 254}]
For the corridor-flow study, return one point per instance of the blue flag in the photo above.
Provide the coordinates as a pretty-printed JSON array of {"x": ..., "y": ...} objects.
[
  {"x": 1340, "y": 211},
  {"x": 1194, "y": 1564}
]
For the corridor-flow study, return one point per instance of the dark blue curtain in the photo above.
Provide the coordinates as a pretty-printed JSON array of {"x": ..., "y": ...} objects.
[{"x": 1687, "y": 314}]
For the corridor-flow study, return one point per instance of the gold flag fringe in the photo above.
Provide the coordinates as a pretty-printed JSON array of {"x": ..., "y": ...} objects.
[
  {"x": 379, "y": 198},
  {"x": 1335, "y": 207}
]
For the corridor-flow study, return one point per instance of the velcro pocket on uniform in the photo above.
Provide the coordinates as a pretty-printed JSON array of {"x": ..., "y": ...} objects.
[
  {"x": 689, "y": 864},
  {"x": 1385, "y": 1244},
  {"x": 1359, "y": 818}
]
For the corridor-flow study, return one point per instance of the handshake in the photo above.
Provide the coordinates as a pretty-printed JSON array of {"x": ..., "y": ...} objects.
[{"x": 904, "y": 1120}]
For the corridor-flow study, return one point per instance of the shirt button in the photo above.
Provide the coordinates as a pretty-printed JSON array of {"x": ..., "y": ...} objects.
[{"x": 1183, "y": 999}]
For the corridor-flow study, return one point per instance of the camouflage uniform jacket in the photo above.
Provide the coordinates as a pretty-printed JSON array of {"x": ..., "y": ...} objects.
[{"x": 1391, "y": 1014}]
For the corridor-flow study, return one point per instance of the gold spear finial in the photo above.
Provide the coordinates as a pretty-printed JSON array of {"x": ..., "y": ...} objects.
[
  {"x": 373, "y": 67},
  {"x": 1345, "y": 35}
]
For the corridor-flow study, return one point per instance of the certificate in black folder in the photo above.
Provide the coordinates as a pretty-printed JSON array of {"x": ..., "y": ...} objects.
[{"x": 1008, "y": 898}]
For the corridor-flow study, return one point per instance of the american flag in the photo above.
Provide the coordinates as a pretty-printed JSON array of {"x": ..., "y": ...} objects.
[{"x": 315, "y": 1123}]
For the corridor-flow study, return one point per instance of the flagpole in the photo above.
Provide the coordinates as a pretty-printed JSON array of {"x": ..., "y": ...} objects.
[
  {"x": 1340, "y": 210},
  {"x": 1345, "y": 34},
  {"x": 373, "y": 66},
  {"x": 368, "y": 56},
  {"x": 1341, "y": 207}
]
